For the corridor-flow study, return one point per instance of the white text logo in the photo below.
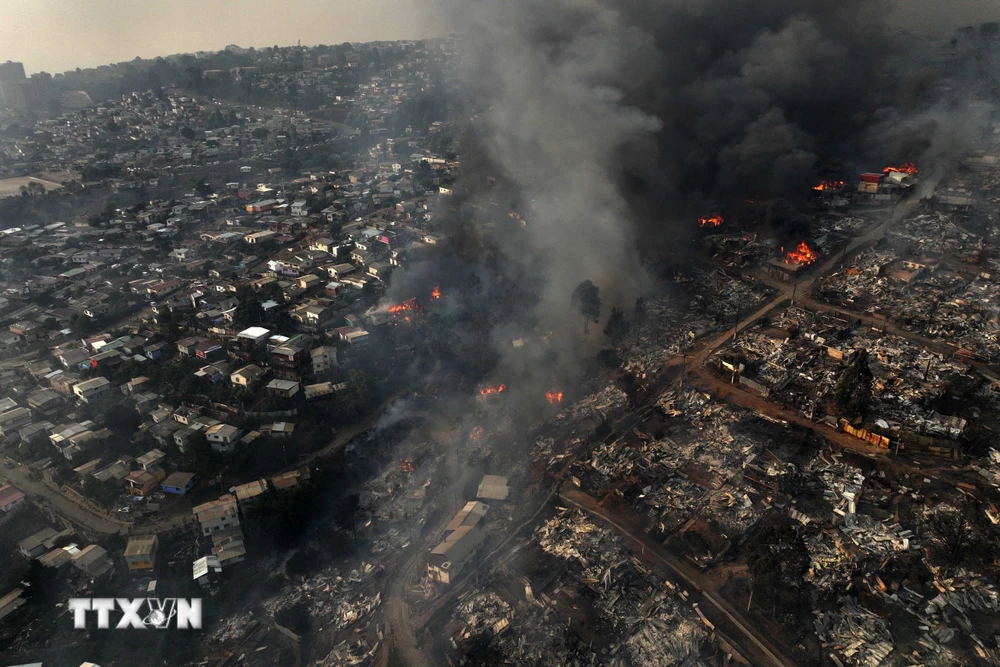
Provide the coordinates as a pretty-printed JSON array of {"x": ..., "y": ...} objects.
[{"x": 140, "y": 613}]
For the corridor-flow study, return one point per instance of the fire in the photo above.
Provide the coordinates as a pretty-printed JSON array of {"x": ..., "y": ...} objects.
[
  {"x": 436, "y": 292},
  {"x": 409, "y": 304},
  {"x": 406, "y": 465},
  {"x": 803, "y": 255},
  {"x": 554, "y": 396},
  {"x": 488, "y": 391},
  {"x": 476, "y": 433},
  {"x": 905, "y": 168},
  {"x": 711, "y": 221},
  {"x": 828, "y": 185}
]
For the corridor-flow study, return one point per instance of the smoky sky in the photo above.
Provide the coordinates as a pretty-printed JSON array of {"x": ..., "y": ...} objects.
[{"x": 618, "y": 122}]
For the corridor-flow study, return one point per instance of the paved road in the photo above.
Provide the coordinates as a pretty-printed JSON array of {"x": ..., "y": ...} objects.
[
  {"x": 77, "y": 514},
  {"x": 755, "y": 646}
]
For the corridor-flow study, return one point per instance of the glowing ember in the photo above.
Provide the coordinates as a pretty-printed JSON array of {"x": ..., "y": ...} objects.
[
  {"x": 476, "y": 433},
  {"x": 828, "y": 185},
  {"x": 406, "y": 465},
  {"x": 711, "y": 221},
  {"x": 554, "y": 396},
  {"x": 409, "y": 304},
  {"x": 905, "y": 168},
  {"x": 489, "y": 391},
  {"x": 436, "y": 292},
  {"x": 803, "y": 255}
]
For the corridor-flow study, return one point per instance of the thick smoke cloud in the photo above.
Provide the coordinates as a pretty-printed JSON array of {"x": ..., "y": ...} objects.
[{"x": 614, "y": 123}]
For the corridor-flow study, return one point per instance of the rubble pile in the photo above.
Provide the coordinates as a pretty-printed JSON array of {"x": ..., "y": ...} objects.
[
  {"x": 482, "y": 614},
  {"x": 663, "y": 635},
  {"x": 945, "y": 615},
  {"x": 858, "y": 635},
  {"x": 232, "y": 628},
  {"x": 661, "y": 627},
  {"x": 335, "y": 601},
  {"x": 828, "y": 564},
  {"x": 347, "y": 654}
]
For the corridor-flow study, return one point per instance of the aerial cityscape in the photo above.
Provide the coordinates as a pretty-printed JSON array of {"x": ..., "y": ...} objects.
[{"x": 609, "y": 333}]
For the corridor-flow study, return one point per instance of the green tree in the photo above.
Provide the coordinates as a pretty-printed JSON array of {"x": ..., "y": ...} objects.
[
  {"x": 853, "y": 393},
  {"x": 617, "y": 326},
  {"x": 188, "y": 133}
]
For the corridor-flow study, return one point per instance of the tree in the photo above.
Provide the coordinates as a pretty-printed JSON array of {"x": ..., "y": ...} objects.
[
  {"x": 617, "y": 326},
  {"x": 259, "y": 133},
  {"x": 248, "y": 312},
  {"x": 853, "y": 393},
  {"x": 188, "y": 133},
  {"x": 777, "y": 560},
  {"x": 586, "y": 299},
  {"x": 335, "y": 229},
  {"x": 204, "y": 189},
  {"x": 962, "y": 532}
]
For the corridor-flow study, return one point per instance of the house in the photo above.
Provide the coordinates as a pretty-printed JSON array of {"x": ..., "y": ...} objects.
[
  {"x": 468, "y": 516},
  {"x": 12, "y": 420},
  {"x": 44, "y": 401},
  {"x": 248, "y": 376},
  {"x": 72, "y": 357},
  {"x": 229, "y": 546},
  {"x": 38, "y": 543},
  {"x": 300, "y": 208},
  {"x": 157, "y": 351},
  {"x": 9, "y": 603},
  {"x": 28, "y": 331},
  {"x": 179, "y": 483},
  {"x": 279, "y": 429},
  {"x": 212, "y": 372},
  {"x": 252, "y": 338},
  {"x": 93, "y": 560},
  {"x": 250, "y": 490},
  {"x": 64, "y": 383},
  {"x": 309, "y": 281},
  {"x": 142, "y": 482},
  {"x": 449, "y": 557},
  {"x": 207, "y": 570},
  {"x": 140, "y": 553},
  {"x": 259, "y": 237},
  {"x": 10, "y": 498},
  {"x": 209, "y": 350},
  {"x": 92, "y": 390},
  {"x": 283, "y": 388},
  {"x": 150, "y": 459},
  {"x": 58, "y": 557},
  {"x": 187, "y": 345},
  {"x": 217, "y": 515},
  {"x": 493, "y": 487},
  {"x": 184, "y": 437},
  {"x": 223, "y": 437},
  {"x": 105, "y": 359},
  {"x": 338, "y": 271},
  {"x": 134, "y": 385}
]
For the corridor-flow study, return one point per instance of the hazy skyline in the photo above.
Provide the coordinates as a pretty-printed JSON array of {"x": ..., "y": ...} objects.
[{"x": 59, "y": 35}]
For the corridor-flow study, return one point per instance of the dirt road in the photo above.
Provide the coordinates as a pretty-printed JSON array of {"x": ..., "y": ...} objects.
[{"x": 79, "y": 515}]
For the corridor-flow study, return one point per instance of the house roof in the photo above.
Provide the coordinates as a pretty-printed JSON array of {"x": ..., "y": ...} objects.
[
  {"x": 140, "y": 546},
  {"x": 178, "y": 479},
  {"x": 493, "y": 487},
  {"x": 457, "y": 546},
  {"x": 8, "y": 495},
  {"x": 470, "y": 515},
  {"x": 250, "y": 489}
]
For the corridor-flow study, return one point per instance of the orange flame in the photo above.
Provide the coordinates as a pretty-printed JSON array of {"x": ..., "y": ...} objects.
[
  {"x": 553, "y": 396},
  {"x": 488, "y": 391},
  {"x": 406, "y": 465},
  {"x": 905, "y": 168},
  {"x": 409, "y": 304},
  {"x": 711, "y": 221},
  {"x": 436, "y": 292},
  {"x": 803, "y": 255},
  {"x": 828, "y": 185},
  {"x": 476, "y": 433}
]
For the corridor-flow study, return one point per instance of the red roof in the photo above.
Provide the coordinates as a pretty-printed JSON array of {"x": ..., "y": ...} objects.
[
  {"x": 9, "y": 495},
  {"x": 872, "y": 178}
]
